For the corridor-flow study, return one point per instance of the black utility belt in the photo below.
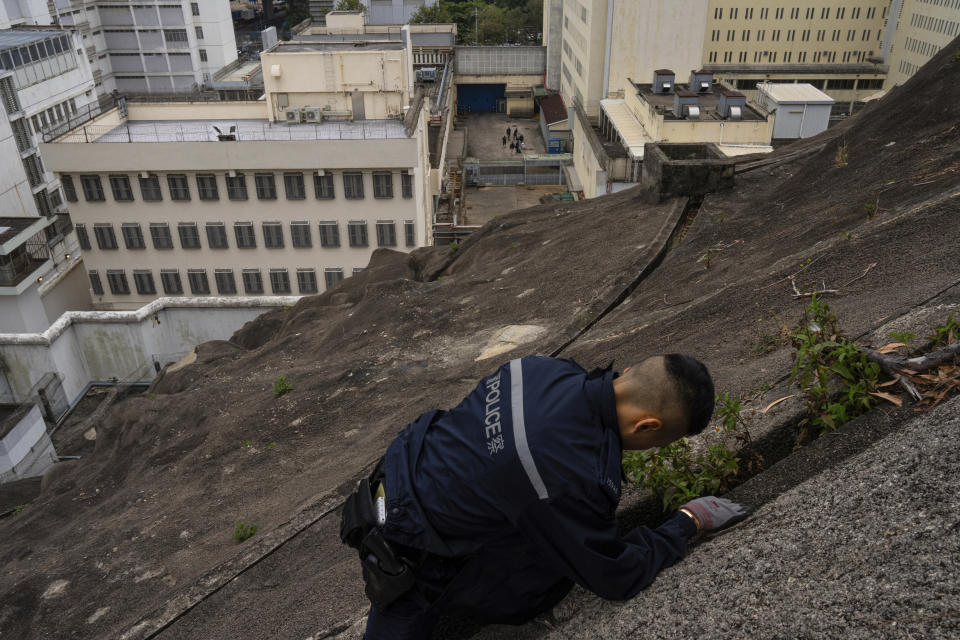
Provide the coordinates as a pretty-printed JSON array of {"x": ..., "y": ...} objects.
[{"x": 387, "y": 574}]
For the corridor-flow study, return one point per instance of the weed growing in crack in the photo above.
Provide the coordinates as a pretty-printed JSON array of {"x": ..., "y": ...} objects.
[
  {"x": 281, "y": 386},
  {"x": 841, "y": 157},
  {"x": 675, "y": 476},
  {"x": 903, "y": 336},
  {"x": 836, "y": 378},
  {"x": 17, "y": 510},
  {"x": 870, "y": 209},
  {"x": 243, "y": 531},
  {"x": 945, "y": 333},
  {"x": 454, "y": 246}
]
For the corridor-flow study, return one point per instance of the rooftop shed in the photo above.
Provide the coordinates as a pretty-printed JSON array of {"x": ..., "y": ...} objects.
[{"x": 801, "y": 110}]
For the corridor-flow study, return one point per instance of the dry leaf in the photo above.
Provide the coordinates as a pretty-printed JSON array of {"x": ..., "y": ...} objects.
[
  {"x": 889, "y": 382},
  {"x": 776, "y": 402},
  {"x": 889, "y": 397},
  {"x": 890, "y": 348}
]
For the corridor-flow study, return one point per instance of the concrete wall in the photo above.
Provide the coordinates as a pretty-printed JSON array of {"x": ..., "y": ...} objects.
[
  {"x": 85, "y": 346},
  {"x": 718, "y": 131},
  {"x": 26, "y": 451},
  {"x": 501, "y": 61},
  {"x": 587, "y": 160},
  {"x": 553, "y": 41}
]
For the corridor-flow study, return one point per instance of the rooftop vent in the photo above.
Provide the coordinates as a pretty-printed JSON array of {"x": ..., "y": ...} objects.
[
  {"x": 663, "y": 81},
  {"x": 686, "y": 104},
  {"x": 701, "y": 81},
  {"x": 730, "y": 100}
]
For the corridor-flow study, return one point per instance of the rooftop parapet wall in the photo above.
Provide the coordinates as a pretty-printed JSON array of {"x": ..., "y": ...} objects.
[
  {"x": 685, "y": 170},
  {"x": 86, "y": 346}
]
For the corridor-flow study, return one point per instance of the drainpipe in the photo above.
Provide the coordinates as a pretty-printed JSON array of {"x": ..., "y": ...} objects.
[{"x": 606, "y": 57}]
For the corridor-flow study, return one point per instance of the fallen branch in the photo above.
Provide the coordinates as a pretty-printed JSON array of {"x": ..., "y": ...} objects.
[{"x": 898, "y": 367}]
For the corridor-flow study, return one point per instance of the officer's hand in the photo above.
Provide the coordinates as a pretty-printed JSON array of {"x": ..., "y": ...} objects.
[{"x": 712, "y": 513}]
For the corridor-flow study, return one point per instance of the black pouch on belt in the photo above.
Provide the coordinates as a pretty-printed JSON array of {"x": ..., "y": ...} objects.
[{"x": 388, "y": 576}]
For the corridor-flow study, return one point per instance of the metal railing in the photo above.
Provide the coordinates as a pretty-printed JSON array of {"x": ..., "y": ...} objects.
[
  {"x": 245, "y": 131},
  {"x": 529, "y": 170}
]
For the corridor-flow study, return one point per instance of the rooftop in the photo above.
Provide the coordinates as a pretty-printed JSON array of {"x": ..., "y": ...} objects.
[
  {"x": 631, "y": 132},
  {"x": 553, "y": 109},
  {"x": 795, "y": 93},
  {"x": 418, "y": 38},
  {"x": 10, "y": 38},
  {"x": 708, "y": 102},
  {"x": 246, "y": 130},
  {"x": 299, "y": 46}
]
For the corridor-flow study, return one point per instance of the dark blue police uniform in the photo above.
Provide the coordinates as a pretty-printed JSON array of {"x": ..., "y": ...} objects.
[{"x": 512, "y": 495}]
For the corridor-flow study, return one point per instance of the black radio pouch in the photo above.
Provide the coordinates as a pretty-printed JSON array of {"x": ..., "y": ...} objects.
[{"x": 388, "y": 576}]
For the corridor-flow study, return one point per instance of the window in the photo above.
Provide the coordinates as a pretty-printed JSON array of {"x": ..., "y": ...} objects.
[
  {"x": 195, "y": 8},
  {"x": 175, "y": 35},
  {"x": 273, "y": 235},
  {"x": 323, "y": 186},
  {"x": 160, "y": 233},
  {"x": 203, "y": 54},
  {"x": 95, "y": 284},
  {"x": 82, "y": 236},
  {"x": 875, "y": 83},
  {"x": 68, "y": 188},
  {"x": 143, "y": 280},
  {"x": 329, "y": 234},
  {"x": 840, "y": 12},
  {"x": 300, "y": 234},
  {"x": 179, "y": 189},
  {"x": 207, "y": 186},
  {"x": 106, "y": 238},
  {"x": 217, "y": 235},
  {"x": 840, "y": 84},
  {"x": 170, "y": 279},
  {"x": 246, "y": 238},
  {"x": 279, "y": 281},
  {"x": 226, "y": 283},
  {"x": 266, "y": 186},
  {"x": 198, "y": 281},
  {"x": 252, "y": 281},
  {"x": 382, "y": 185},
  {"x": 779, "y": 14},
  {"x": 406, "y": 185},
  {"x": 748, "y": 14},
  {"x": 307, "y": 280},
  {"x": 189, "y": 235},
  {"x": 332, "y": 277},
  {"x": 357, "y": 232},
  {"x": 293, "y": 186},
  {"x": 237, "y": 187},
  {"x": 117, "y": 279},
  {"x": 386, "y": 233},
  {"x": 132, "y": 235},
  {"x": 409, "y": 230},
  {"x": 92, "y": 188},
  {"x": 199, "y": 31},
  {"x": 150, "y": 188},
  {"x": 120, "y": 185},
  {"x": 353, "y": 185}
]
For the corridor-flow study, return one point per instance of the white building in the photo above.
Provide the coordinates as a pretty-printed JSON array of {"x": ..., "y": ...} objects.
[
  {"x": 393, "y": 11},
  {"x": 152, "y": 46},
  {"x": 14, "y": 13},
  {"x": 283, "y": 196},
  {"x": 800, "y": 110},
  {"x": 44, "y": 85}
]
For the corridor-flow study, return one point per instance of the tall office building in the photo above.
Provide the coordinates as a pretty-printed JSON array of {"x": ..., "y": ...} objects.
[
  {"x": 595, "y": 46},
  {"x": 152, "y": 46},
  {"x": 923, "y": 29}
]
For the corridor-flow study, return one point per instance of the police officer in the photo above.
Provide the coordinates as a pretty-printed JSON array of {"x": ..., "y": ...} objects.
[{"x": 499, "y": 505}]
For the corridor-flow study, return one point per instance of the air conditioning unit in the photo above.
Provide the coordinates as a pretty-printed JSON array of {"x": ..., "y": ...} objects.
[
  {"x": 293, "y": 115},
  {"x": 312, "y": 114}
]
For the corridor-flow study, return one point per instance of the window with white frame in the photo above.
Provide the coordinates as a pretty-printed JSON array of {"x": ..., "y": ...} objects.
[
  {"x": 92, "y": 188},
  {"x": 252, "y": 281},
  {"x": 207, "y": 186},
  {"x": 106, "y": 237},
  {"x": 329, "y": 234},
  {"x": 300, "y": 234},
  {"x": 410, "y": 233},
  {"x": 386, "y": 233},
  {"x": 279, "y": 281},
  {"x": 353, "y": 185},
  {"x": 323, "y": 186},
  {"x": 160, "y": 234},
  {"x": 382, "y": 184},
  {"x": 117, "y": 279},
  {"x": 293, "y": 186},
  {"x": 357, "y": 232},
  {"x": 266, "y": 186},
  {"x": 150, "y": 188},
  {"x": 273, "y": 235},
  {"x": 237, "y": 187},
  {"x": 226, "y": 283},
  {"x": 246, "y": 237},
  {"x": 95, "y": 284},
  {"x": 178, "y": 186},
  {"x": 143, "y": 281},
  {"x": 217, "y": 235},
  {"x": 189, "y": 235},
  {"x": 120, "y": 185},
  {"x": 332, "y": 277}
]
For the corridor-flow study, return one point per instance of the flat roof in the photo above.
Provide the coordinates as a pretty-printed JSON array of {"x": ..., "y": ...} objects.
[
  {"x": 17, "y": 38},
  {"x": 246, "y": 130},
  {"x": 631, "y": 132},
  {"x": 795, "y": 93},
  {"x": 297, "y": 47},
  {"x": 12, "y": 227},
  {"x": 708, "y": 102}
]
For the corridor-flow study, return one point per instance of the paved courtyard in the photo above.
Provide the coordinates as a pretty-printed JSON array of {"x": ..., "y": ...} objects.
[{"x": 485, "y": 135}]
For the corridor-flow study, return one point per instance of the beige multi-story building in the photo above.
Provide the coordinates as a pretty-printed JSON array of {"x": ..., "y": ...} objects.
[
  {"x": 282, "y": 196},
  {"x": 595, "y": 47},
  {"x": 925, "y": 27}
]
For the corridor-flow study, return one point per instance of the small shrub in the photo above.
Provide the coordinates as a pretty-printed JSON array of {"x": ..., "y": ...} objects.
[
  {"x": 845, "y": 235},
  {"x": 17, "y": 510},
  {"x": 454, "y": 246},
  {"x": 944, "y": 334},
  {"x": 903, "y": 336},
  {"x": 841, "y": 157},
  {"x": 281, "y": 386},
  {"x": 243, "y": 531},
  {"x": 870, "y": 209},
  {"x": 272, "y": 445},
  {"x": 245, "y": 444}
]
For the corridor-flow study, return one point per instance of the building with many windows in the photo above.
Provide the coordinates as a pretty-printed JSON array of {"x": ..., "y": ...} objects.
[
  {"x": 288, "y": 195},
  {"x": 15, "y": 13},
  {"x": 596, "y": 46},
  {"x": 924, "y": 28},
  {"x": 44, "y": 84},
  {"x": 151, "y": 46}
]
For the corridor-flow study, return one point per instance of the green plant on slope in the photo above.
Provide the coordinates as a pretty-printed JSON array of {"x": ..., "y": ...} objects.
[
  {"x": 281, "y": 386},
  {"x": 836, "y": 378},
  {"x": 903, "y": 336},
  {"x": 841, "y": 157},
  {"x": 17, "y": 510},
  {"x": 243, "y": 531},
  {"x": 945, "y": 333}
]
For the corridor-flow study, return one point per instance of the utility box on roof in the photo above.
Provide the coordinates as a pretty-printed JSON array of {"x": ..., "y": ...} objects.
[{"x": 800, "y": 110}]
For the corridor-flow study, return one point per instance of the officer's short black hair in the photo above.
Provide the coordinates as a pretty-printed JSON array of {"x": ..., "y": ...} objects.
[{"x": 695, "y": 388}]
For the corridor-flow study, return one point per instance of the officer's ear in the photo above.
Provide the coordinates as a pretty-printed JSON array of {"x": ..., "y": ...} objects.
[{"x": 647, "y": 424}]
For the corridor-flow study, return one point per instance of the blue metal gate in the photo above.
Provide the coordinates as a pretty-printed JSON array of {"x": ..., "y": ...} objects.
[{"x": 479, "y": 97}]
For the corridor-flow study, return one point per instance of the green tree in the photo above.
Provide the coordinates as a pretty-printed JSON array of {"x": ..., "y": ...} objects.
[
  {"x": 350, "y": 5},
  {"x": 436, "y": 14},
  {"x": 297, "y": 12}
]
